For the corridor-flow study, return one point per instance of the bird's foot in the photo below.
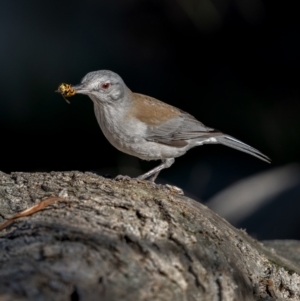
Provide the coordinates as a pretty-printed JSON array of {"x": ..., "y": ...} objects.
[
  {"x": 171, "y": 188},
  {"x": 127, "y": 178},
  {"x": 122, "y": 178},
  {"x": 175, "y": 189}
]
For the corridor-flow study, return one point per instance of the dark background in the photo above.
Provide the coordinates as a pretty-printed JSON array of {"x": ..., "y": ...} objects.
[{"x": 234, "y": 65}]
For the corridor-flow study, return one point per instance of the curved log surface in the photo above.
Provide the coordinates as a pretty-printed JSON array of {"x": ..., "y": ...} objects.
[{"x": 128, "y": 240}]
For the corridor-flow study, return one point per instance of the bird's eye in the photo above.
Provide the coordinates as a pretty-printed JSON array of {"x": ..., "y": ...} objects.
[{"x": 105, "y": 86}]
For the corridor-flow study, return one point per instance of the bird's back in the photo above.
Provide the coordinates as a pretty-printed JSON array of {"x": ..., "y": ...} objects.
[{"x": 151, "y": 110}]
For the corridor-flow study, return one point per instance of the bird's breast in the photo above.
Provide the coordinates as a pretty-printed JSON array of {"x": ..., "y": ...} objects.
[{"x": 122, "y": 133}]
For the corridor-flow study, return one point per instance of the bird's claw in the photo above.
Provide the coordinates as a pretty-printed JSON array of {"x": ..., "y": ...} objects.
[
  {"x": 122, "y": 178},
  {"x": 175, "y": 189}
]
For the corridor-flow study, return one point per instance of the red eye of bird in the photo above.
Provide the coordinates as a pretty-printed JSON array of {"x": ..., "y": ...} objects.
[{"x": 105, "y": 85}]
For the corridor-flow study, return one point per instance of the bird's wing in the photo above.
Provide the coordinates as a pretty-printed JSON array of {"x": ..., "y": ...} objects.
[
  {"x": 179, "y": 129},
  {"x": 171, "y": 126},
  {"x": 167, "y": 124}
]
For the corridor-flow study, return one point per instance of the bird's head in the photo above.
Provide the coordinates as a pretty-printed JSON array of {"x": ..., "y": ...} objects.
[{"x": 102, "y": 86}]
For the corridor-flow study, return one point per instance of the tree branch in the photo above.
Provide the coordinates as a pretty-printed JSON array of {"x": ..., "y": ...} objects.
[{"x": 128, "y": 240}]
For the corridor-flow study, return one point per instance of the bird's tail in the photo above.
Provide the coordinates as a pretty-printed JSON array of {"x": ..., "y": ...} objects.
[{"x": 241, "y": 146}]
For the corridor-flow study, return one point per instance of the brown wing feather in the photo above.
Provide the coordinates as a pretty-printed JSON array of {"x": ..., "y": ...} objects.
[
  {"x": 167, "y": 124},
  {"x": 150, "y": 110}
]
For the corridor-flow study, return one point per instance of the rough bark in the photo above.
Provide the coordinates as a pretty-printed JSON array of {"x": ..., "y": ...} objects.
[{"x": 129, "y": 240}]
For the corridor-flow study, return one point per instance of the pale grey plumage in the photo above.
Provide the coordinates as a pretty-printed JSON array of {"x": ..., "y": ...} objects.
[{"x": 146, "y": 127}]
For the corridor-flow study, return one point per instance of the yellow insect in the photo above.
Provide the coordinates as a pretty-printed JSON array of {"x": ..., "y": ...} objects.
[{"x": 66, "y": 90}]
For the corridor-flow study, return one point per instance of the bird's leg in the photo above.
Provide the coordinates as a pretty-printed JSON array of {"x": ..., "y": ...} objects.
[
  {"x": 153, "y": 177},
  {"x": 153, "y": 173}
]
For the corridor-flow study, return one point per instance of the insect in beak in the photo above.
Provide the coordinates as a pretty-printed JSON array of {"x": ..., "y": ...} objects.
[{"x": 66, "y": 90}]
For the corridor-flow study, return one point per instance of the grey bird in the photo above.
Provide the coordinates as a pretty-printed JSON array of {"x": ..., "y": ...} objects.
[{"x": 142, "y": 126}]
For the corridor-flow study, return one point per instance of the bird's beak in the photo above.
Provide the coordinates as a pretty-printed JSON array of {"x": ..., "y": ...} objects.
[{"x": 80, "y": 89}]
